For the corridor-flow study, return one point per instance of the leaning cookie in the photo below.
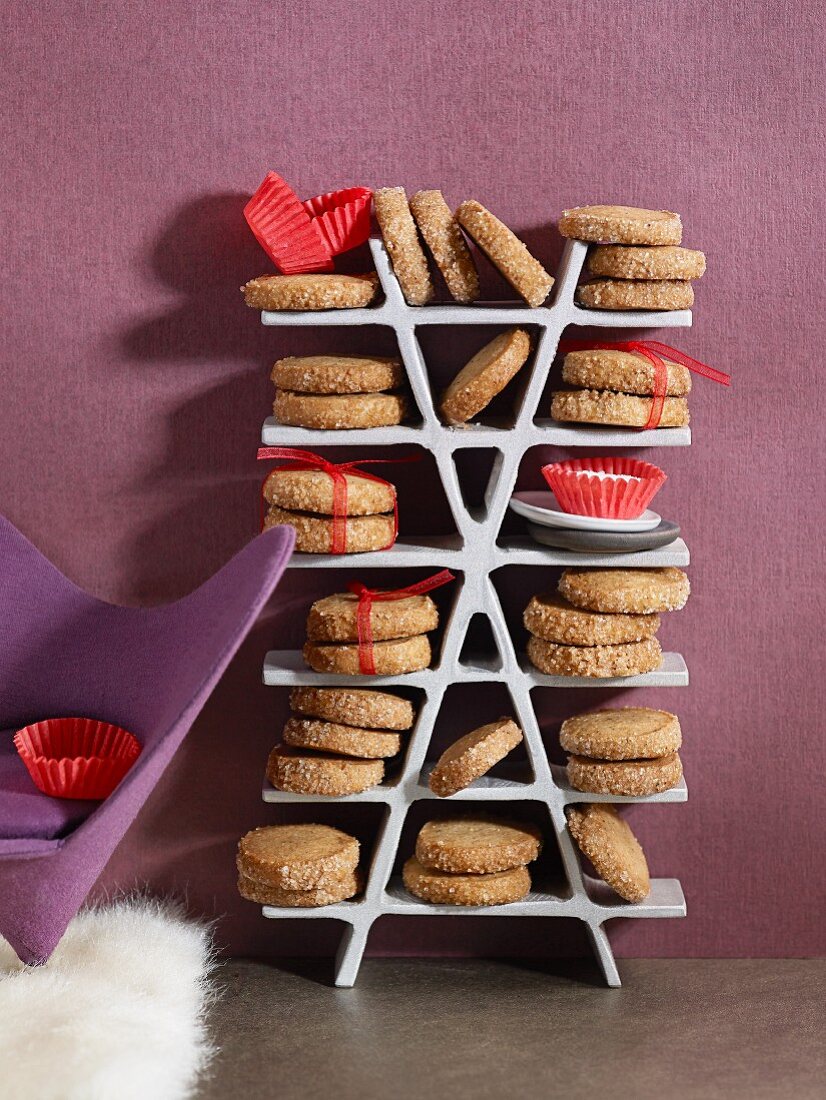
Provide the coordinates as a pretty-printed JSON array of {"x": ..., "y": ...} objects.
[
  {"x": 328, "y": 894},
  {"x": 473, "y": 755},
  {"x": 307, "y": 292},
  {"x": 552, "y": 618},
  {"x": 314, "y": 534},
  {"x": 598, "y": 661},
  {"x": 629, "y": 294},
  {"x": 313, "y": 491},
  {"x": 379, "y": 710},
  {"x": 338, "y": 412},
  {"x": 477, "y": 845},
  {"x": 615, "y": 853},
  {"x": 635, "y": 778},
  {"x": 442, "y": 888},
  {"x": 618, "y": 261},
  {"x": 622, "y": 733},
  {"x": 447, "y": 246},
  {"x": 621, "y": 225},
  {"x": 485, "y": 375},
  {"x": 629, "y": 591},
  {"x": 506, "y": 252},
  {"x": 391, "y": 658},
  {"x": 623, "y": 371},
  {"x": 301, "y": 772},
  {"x": 308, "y": 733},
  {"x": 335, "y": 618},
  {"x": 619, "y": 409},
  {"x": 402, "y": 243},
  {"x": 337, "y": 374}
]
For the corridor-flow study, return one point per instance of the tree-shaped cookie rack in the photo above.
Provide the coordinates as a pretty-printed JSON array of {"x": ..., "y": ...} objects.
[{"x": 473, "y": 555}]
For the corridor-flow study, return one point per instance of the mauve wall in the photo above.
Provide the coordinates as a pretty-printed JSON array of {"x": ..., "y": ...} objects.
[{"x": 135, "y": 381}]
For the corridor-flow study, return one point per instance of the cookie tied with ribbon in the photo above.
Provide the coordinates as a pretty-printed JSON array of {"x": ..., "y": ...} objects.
[
  {"x": 634, "y": 383},
  {"x": 334, "y": 508}
]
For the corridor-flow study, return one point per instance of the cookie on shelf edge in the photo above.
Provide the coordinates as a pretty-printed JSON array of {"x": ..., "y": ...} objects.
[
  {"x": 634, "y": 778},
  {"x": 335, "y": 618},
  {"x": 506, "y": 252},
  {"x": 622, "y": 410},
  {"x": 621, "y": 225},
  {"x": 632, "y": 591},
  {"x": 359, "y": 707},
  {"x": 617, "y": 261},
  {"x": 635, "y": 294},
  {"x": 622, "y": 371},
  {"x": 297, "y": 857},
  {"x": 395, "y": 657},
  {"x": 311, "y": 733},
  {"x": 339, "y": 412},
  {"x": 551, "y": 617},
  {"x": 314, "y": 534},
  {"x": 304, "y": 772},
  {"x": 310, "y": 292},
  {"x": 444, "y": 239},
  {"x": 401, "y": 239},
  {"x": 600, "y": 662},
  {"x": 621, "y": 733},
  {"x": 477, "y": 845},
  {"x": 337, "y": 374},
  {"x": 485, "y": 375},
  {"x": 265, "y": 894},
  {"x": 606, "y": 840}
]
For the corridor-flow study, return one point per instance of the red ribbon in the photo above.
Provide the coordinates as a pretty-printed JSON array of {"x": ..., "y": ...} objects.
[
  {"x": 368, "y": 596},
  {"x": 654, "y": 351},
  {"x": 337, "y": 471}
]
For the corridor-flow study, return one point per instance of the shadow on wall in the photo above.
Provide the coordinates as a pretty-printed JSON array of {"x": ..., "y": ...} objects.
[{"x": 199, "y": 500}]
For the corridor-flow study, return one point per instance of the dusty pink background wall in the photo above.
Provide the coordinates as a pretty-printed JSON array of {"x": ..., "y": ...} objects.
[{"x": 134, "y": 381}]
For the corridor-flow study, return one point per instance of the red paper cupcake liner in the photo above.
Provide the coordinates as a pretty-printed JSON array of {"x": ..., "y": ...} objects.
[
  {"x": 76, "y": 757},
  {"x": 606, "y": 498},
  {"x": 292, "y": 239},
  {"x": 342, "y": 216}
]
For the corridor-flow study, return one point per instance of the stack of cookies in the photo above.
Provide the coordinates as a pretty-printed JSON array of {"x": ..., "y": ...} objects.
[
  {"x": 637, "y": 257},
  {"x": 298, "y": 866},
  {"x": 334, "y": 392},
  {"x": 399, "y": 629},
  {"x": 607, "y": 841},
  {"x": 602, "y": 622},
  {"x": 625, "y": 751},
  {"x": 428, "y": 214},
  {"x": 472, "y": 861},
  {"x": 617, "y": 387},
  {"x": 336, "y": 740},
  {"x": 304, "y": 500}
]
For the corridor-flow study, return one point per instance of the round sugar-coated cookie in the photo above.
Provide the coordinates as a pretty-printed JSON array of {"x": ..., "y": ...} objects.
[
  {"x": 297, "y": 857},
  {"x": 622, "y": 733},
  {"x": 390, "y": 658},
  {"x": 335, "y": 618},
  {"x": 358, "y": 707},
  {"x": 627, "y": 777},
  {"x": 636, "y": 294},
  {"x": 307, "y": 292},
  {"x": 619, "y": 261},
  {"x": 624, "y": 371},
  {"x": 442, "y": 888},
  {"x": 265, "y": 894},
  {"x": 477, "y": 845},
  {"x": 338, "y": 412},
  {"x": 304, "y": 772},
  {"x": 337, "y": 374},
  {"x": 621, "y": 225},
  {"x": 310, "y": 733},
  {"x": 601, "y": 662},
  {"x": 473, "y": 755},
  {"x": 619, "y": 409},
  {"x": 629, "y": 591},
  {"x": 615, "y": 853},
  {"x": 551, "y": 617},
  {"x": 402, "y": 243},
  {"x": 313, "y": 491},
  {"x": 444, "y": 239},
  {"x": 314, "y": 534},
  {"x": 485, "y": 375},
  {"x": 506, "y": 252},
  {"x": 605, "y": 542}
]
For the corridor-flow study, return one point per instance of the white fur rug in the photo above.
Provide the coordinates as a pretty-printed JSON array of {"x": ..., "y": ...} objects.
[{"x": 117, "y": 1013}]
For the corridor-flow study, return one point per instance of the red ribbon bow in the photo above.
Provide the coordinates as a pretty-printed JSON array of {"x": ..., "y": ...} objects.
[
  {"x": 654, "y": 351},
  {"x": 368, "y": 596},
  {"x": 307, "y": 460}
]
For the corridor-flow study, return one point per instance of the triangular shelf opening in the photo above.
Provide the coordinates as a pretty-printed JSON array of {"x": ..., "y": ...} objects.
[{"x": 479, "y": 648}]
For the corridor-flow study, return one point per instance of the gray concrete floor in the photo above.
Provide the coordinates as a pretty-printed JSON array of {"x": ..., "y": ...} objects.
[{"x": 460, "y": 1029}]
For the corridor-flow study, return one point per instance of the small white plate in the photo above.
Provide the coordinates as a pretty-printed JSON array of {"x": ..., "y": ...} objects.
[{"x": 540, "y": 506}]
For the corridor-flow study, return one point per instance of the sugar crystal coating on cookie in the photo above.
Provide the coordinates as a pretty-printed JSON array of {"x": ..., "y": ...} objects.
[
  {"x": 618, "y": 261},
  {"x": 310, "y": 733},
  {"x": 335, "y": 618},
  {"x": 620, "y": 409},
  {"x": 394, "y": 657},
  {"x": 473, "y": 755},
  {"x": 621, "y": 225},
  {"x": 631, "y": 778},
  {"x": 339, "y": 412},
  {"x": 297, "y": 857},
  {"x": 314, "y": 534},
  {"x": 401, "y": 240},
  {"x": 635, "y": 294},
  {"x": 622, "y": 371},
  {"x": 477, "y": 845},
  {"x": 309, "y": 292},
  {"x": 444, "y": 239},
  {"x": 485, "y": 375},
  {"x": 615, "y": 853},
  {"x": 327, "y": 894},
  {"x": 551, "y": 617},
  {"x": 632, "y": 591},
  {"x": 597, "y": 661},
  {"x": 506, "y": 252},
  {"x": 304, "y": 772},
  {"x": 621, "y": 733},
  {"x": 337, "y": 374},
  {"x": 314, "y": 491},
  {"x": 358, "y": 707},
  {"x": 443, "y": 888}
]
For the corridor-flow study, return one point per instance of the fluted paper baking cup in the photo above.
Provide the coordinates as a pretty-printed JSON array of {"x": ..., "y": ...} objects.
[
  {"x": 76, "y": 757},
  {"x": 342, "y": 216},
  {"x": 608, "y": 488},
  {"x": 290, "y": 236}
]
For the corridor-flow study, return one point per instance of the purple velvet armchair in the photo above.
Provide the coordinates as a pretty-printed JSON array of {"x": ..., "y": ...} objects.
[{"x": 149, "y": 670}]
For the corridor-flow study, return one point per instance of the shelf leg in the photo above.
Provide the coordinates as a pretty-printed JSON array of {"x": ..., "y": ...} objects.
[
  {"x": 350, "y": 953},
  {"x": 604, "y": 954}
]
